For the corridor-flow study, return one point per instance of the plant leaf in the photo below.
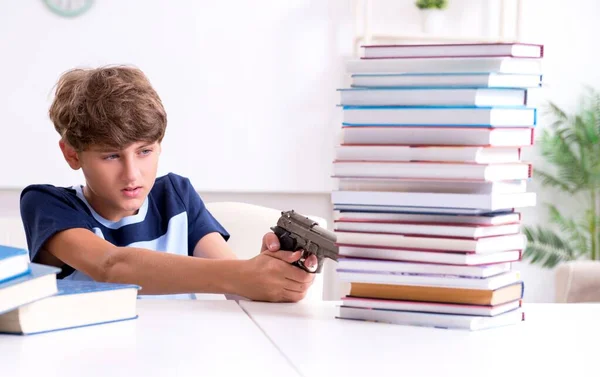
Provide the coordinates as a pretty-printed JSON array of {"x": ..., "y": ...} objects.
[
  {"x": 550, "y": 180},
  {"x": 558, "y": 113},
  {"x": 576, "y": 234},
  {"x": 571, "y": 146},
  {"x": 546, "y": 247}
]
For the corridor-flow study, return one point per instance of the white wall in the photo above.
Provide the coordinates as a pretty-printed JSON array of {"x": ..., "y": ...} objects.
[
  {"x": 249, "y": 88},
  {"x": 248, "y": 93},
  {"x": 568, "y": 31}
]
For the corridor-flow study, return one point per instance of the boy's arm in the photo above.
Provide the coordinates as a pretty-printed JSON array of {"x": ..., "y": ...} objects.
[
  {"x": 265, "y": 277},
  {"x": 213, "y": 246}
]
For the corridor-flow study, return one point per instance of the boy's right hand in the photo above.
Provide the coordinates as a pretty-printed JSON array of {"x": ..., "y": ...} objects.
[{"x": 269, "y": 276}]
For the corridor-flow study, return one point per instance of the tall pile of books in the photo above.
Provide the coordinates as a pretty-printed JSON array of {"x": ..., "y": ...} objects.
[
  {"x": 33, "y": 300},
  {"x": 430, "y": 180}
]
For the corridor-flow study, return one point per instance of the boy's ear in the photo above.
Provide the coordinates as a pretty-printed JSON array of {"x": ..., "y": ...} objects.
[{"x": 70, "y": 154}]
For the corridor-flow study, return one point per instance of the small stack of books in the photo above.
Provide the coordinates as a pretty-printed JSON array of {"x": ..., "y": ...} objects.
[
  {"x": 33, "y": 301},
  {"x": 430, "y": 178}
]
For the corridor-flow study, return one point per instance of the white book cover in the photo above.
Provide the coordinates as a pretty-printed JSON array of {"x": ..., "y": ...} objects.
[
  {"x": 480, "y": 155},
  {"x": 428, "y": 218},
  {"x": 446, "y": 80},
  {"x": 432, "y": 96},
  {"x": 408, "y": 255},
  {"x": 375, "y": 266},
  {"x": 489, "y": 202},
  {"x": 454, "y": 50},
  {"x": 446, "y": 65},
  {"x": 439, "y": 229},
  {"x": 411, "y": 209},
  {"x": 430, "y": 243},
  {"x": 448, "y": 281},
  {"x": 430, "y": 307},
  {"x": 433, "y": 170},
  {"x": 350, "y": 183},
  {"x": 450, "y": 321},
  {"x": 439, "y": 115},
  {"x": 429, "y": 135}
]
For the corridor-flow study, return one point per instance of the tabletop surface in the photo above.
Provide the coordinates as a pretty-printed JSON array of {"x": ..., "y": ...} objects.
[
  {"x": 170, "y": 338},
  {"x": 561, "y": 339},
  {"x": 220, "y": 338}
]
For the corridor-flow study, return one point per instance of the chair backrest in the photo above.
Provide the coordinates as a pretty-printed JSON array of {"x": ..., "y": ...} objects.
[
  {"x": 247, "y": 224},
  {"x": 577, "y": 281}
]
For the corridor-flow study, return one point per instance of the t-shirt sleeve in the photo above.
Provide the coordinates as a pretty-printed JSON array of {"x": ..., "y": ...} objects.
[
  {"x": 200, "y": 221},
  {"x": 45, "y": 212}
]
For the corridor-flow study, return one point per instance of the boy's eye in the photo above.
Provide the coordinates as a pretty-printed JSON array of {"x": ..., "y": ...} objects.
[
  {"x": 111, "y": 157},
  {"x": 146, "y": 151}
]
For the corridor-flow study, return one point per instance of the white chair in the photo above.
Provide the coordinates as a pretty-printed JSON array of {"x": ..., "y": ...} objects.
[
  {"x": 247, "y": 224},
  {"x": 578, "y": 281},
  {"x": 12, "y": 232}
]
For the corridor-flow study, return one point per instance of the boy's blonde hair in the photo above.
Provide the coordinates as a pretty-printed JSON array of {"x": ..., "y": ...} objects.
[{"x": 110, "y": 107}]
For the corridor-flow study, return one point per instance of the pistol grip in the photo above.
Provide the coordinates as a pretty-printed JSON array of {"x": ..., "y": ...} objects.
[{"x": 287, "y": 242}]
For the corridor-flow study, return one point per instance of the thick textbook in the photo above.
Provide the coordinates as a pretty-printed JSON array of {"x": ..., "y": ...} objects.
[
  {"x": 454, "y": 50},
  {"x": 13, "y": 262},
  {"x": 38, "y": 283},
  {"x": 446, "y": 80},
  {"x": 439, "y": 116},
  {"x": 76, "y": 304},
  {"x": 432, "y": 96},
  {"x": 438, "y": 135}
]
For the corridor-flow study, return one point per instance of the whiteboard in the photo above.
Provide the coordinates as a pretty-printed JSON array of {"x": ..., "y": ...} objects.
[{"x": 249, "y": 87}]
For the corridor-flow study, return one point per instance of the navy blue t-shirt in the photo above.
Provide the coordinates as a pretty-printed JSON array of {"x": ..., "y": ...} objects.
[{"x": 172, "y": 219}]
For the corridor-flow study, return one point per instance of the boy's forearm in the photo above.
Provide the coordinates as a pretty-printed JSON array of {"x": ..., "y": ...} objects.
[{"x": 164, "y": 273}]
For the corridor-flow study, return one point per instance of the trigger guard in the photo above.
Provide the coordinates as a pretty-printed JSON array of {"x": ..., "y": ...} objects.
[{"x": 300, "y": 263}]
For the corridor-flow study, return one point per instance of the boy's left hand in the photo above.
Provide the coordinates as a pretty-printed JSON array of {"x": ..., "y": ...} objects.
[{"x": 270, "y": 242}]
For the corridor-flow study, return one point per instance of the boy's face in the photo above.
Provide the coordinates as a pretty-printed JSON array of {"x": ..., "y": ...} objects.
[{"x": 118, "y": 181}]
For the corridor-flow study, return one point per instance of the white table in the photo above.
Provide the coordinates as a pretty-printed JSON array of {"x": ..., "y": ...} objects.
[
  {"x": 555, "y": 339},
  {"x": 170, "y": 338}
]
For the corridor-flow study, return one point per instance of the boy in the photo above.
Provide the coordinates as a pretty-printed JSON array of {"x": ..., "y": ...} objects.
[{"x": 128, "y": 226}]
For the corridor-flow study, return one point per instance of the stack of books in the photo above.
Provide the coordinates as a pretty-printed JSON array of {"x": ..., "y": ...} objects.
[
  {"x": 430, "y": 179},
  {"x": 33, "y": 300}
]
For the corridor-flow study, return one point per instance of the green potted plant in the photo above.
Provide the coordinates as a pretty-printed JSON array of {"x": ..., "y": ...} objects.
[
  {"x": 571, "y": 147},
  {"x": 431, "y": 14}
]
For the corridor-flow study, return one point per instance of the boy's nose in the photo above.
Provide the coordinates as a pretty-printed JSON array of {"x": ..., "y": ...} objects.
[{"x": 130, "y": 171}]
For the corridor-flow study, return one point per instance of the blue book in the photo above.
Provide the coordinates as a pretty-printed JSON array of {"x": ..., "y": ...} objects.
[
  {"x": 38, "y": 283},
  {"x": 14, "y": 262},
  {"x": 77, "y": 304}
]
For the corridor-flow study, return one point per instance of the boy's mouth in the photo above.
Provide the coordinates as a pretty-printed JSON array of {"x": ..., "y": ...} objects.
[{"x": 132, "y": 192}]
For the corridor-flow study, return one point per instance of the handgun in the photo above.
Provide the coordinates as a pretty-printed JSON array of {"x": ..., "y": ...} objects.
[{"x": 296, "y": 232}]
